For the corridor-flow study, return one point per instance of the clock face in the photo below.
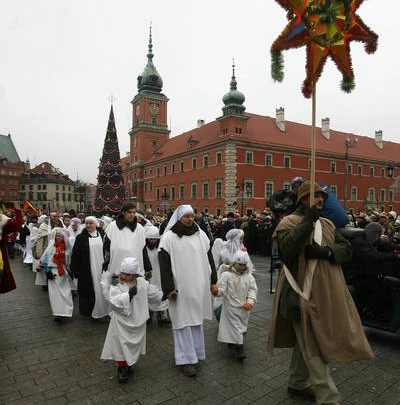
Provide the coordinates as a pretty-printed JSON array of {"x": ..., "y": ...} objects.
[
  {"x": 154, "y": 109},
  {"x": 138, "y": 109}
]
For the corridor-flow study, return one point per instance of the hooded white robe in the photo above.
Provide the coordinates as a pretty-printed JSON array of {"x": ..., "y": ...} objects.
[
  {"x": 192, "y": 273},
  {"x": 126, "y": 335}
]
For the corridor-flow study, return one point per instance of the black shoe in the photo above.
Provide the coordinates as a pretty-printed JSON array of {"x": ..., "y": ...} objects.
[
  {"x": 131, "y": 369},
  {"x": 240, "y": 352},
  {"x": 122, "y": 374},
  {"x": 306, "y": 393},
  {"x": 58, "y": 319},
  {"x": 189, "y": 370}
]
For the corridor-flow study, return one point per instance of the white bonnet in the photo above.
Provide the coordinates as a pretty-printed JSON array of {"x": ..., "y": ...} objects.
[
  {"x": 152, "y": 232},
  {"x": 242, "y": 257},
  {"x": 129, "y": 266}
]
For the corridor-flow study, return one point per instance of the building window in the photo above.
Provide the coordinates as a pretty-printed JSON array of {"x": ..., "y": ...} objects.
[
  {"x": 334, "y": 189},
  {"x": 333, "y": 167},
  {"x": 194, "y": 191},
  {"x": 194, "y": 163},
  {"x": 39, "y": 187},
  {"x": 57, "y": 196},
  {"x": 69, "y": 197},
  {"x": 218, "y": 189},
  {"x": 383, "y": 172},
  {"x": 157, "y": 194},
  {"x": 205, "y": 190},
  {"x": 286, "y": 162},
  {"x": 249, "y": 158},
  {"x": 158, "y": 171},
  {"x": 349, "y": 169},
  {"x": 144, "y": 186},
  {"x": 249, "y": 192},
  {"x": 205, "y": 161},
  {"x": 173, "y": 193},
  {"x": 359, "y": 170},
  {"x": 181, "y": 192},
  {"x": 238, "y": 130},
  {"x": 391, "y": 195},
  {"x": 383, "y": 194},
  {"x": 153, "y": 120},
  {"x": 218, "y": 211},
  {"x": 44, "y": 187},
  {"x": 150, "y": 186},
  {"x": 22, "y": 186},
  {"x": 165, "y": 170},
  {"x": 63, "y": 188},
  {"x": 286, "y": 186},
  {"x": 269, "y": 189},
  {"x": 182, "y": 165},
  {"x": 218, "y": 158},
  {"x": 268, "y": 159},
  {"x": 371, "y": 171},
  {"x": 173, "y": 168},
  {"x": 31, "y": 187},
  {"x": 353, "y": 196},
  {"x": 371, "y": 194}
]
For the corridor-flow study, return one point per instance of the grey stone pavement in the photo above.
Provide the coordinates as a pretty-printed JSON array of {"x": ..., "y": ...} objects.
[{"x": 45, "y": 363}]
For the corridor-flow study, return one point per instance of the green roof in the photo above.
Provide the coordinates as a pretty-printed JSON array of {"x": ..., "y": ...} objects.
[{"x": 7, "y": 149}]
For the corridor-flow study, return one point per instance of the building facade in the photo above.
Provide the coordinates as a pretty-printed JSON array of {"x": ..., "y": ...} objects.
[
  {"x": 11, "y": 168},
  {"x": 239, "y": 160},
  {"x": 48, "y": 189}
]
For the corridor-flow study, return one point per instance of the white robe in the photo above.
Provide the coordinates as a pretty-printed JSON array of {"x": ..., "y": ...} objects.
[
  {"x": 192, "y": 272},
  {"x": 60, "y": 294},
  {"x": 156, "y": 278},
  {"x": 101, "y": 306},
  {"x": 235, "y": 290},
  {"x": 126, "y": 335},
  {"x": 125, "y": 243}
]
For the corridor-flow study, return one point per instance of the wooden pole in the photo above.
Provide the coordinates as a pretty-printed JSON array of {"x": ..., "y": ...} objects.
[{"x": 313, "y": 147}]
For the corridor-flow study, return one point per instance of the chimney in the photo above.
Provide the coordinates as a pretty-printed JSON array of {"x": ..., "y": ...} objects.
[
  {"x": 280, "y": 119},
  {"x": 325, "y": 128},
  {"x": 378, "y": 139},
  {"x": 200, "y": 123}
]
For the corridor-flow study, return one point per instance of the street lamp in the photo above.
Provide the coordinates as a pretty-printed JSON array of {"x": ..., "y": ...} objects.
[
  {"x": 240, "y": 190},
  {"x": 164, "y": 201},
  {"x": 349, "y": 143},
  {"x": 390, "y": 170}
]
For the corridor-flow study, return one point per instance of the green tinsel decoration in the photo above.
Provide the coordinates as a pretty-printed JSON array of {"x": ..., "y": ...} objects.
[
  {"x": 347, "y": 84},
  {"x": 277, "y": 66}
]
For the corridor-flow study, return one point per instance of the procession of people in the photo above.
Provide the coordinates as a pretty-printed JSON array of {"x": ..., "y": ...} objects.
[{"x": 196, "y": 268}]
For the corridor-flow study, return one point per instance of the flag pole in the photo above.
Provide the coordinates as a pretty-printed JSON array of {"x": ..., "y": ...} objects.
[{"x": 313, "y": 143}]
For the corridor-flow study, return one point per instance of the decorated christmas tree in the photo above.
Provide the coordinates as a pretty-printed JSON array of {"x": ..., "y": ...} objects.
[{"x": 110, "y": 192}]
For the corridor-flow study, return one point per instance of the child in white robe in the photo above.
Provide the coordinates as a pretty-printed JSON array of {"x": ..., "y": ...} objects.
[
  {"x": 126, "y": 335},
  {"x": 55, "y": 261},
  {"x": 238, "y": 289}
]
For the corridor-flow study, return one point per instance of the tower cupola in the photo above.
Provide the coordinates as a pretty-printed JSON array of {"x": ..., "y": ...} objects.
[{"x": 234, "y": 99}]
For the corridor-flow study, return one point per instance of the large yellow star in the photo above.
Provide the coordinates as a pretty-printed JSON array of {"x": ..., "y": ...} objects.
[{"x": 326, "y": 27}]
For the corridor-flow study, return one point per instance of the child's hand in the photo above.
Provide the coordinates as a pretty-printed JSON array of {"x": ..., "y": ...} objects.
[
  {"x": 214, "y": 289},
  {"x": 173, "y": 295},
  {"x": 247, "y": 306}
]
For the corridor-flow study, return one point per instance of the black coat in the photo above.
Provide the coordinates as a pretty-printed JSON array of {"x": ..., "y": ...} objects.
[{"x": 80, "y": 269}]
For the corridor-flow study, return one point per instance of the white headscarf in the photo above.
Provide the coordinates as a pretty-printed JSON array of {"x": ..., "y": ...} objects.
[
  {"x": 152, "y": 232},
  {"x": 92, "y": 219},
  {"x": 178, "y": 214},
  {"x": 231, "y": 246}
]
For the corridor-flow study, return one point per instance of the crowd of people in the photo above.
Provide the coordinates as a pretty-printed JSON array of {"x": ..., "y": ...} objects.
[{"x": 183, "y": 268}]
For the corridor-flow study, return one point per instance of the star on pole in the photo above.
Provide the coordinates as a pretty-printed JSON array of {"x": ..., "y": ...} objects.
[{"x": 326, "y": 28}]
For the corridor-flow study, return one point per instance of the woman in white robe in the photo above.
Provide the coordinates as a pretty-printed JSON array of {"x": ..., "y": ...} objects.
[
  {"x": 55, "y": 261},
  {"x": 187, "y": 274},
  {"x": 126, "y": 335}
]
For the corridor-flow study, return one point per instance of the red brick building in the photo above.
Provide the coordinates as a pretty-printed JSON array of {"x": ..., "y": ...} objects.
[
  {"x": 11, "y": 169},
  {"x": 240, "y": 159}
]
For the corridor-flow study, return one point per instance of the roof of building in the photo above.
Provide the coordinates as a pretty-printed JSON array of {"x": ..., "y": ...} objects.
[
  {"x": 264, "y": 131},
  {"x": 7, "y": 149}
]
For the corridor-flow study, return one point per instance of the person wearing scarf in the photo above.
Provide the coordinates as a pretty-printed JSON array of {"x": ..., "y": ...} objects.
[
  {"x": 55, "y": 261},
  {"x": 187, "y": 275},
  {"x": 125, "y": 237},
  {"x": 86, "y": 267}
]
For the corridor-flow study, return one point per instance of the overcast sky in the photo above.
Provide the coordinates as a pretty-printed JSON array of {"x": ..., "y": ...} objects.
[{"x": 62, "y": 59}]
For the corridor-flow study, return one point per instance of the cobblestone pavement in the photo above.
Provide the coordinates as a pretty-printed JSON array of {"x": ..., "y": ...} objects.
[{"x": 45, "y": 363}]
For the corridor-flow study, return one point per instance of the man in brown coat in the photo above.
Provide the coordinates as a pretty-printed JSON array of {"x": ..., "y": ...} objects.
[{"x": 313, "y": 310}]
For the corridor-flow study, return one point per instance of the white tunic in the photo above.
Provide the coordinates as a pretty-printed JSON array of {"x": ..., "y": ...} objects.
[
  {"x": 125, "y": 243},
  {"x": 156, "y": 278},
  {"x": 60, "y": 294},
  {"x": 101, "y": 306},
  {"x": 191, "y": 271},
  {"x": 235, "y": 290},
  {"x": 126, "y": 335}
]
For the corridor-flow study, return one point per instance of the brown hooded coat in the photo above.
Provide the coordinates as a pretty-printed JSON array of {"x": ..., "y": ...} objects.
[{"x": 330, "y": 322}]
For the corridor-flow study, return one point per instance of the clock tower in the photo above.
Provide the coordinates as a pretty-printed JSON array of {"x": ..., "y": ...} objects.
[{"x": 149, "y": 124}]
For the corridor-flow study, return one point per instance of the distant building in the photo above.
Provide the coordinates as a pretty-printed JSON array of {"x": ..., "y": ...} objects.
[
  {"x": 239, "y": 160},
  {"x": 48, "y": 189},
  {"x": 11, "y": 168}
]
